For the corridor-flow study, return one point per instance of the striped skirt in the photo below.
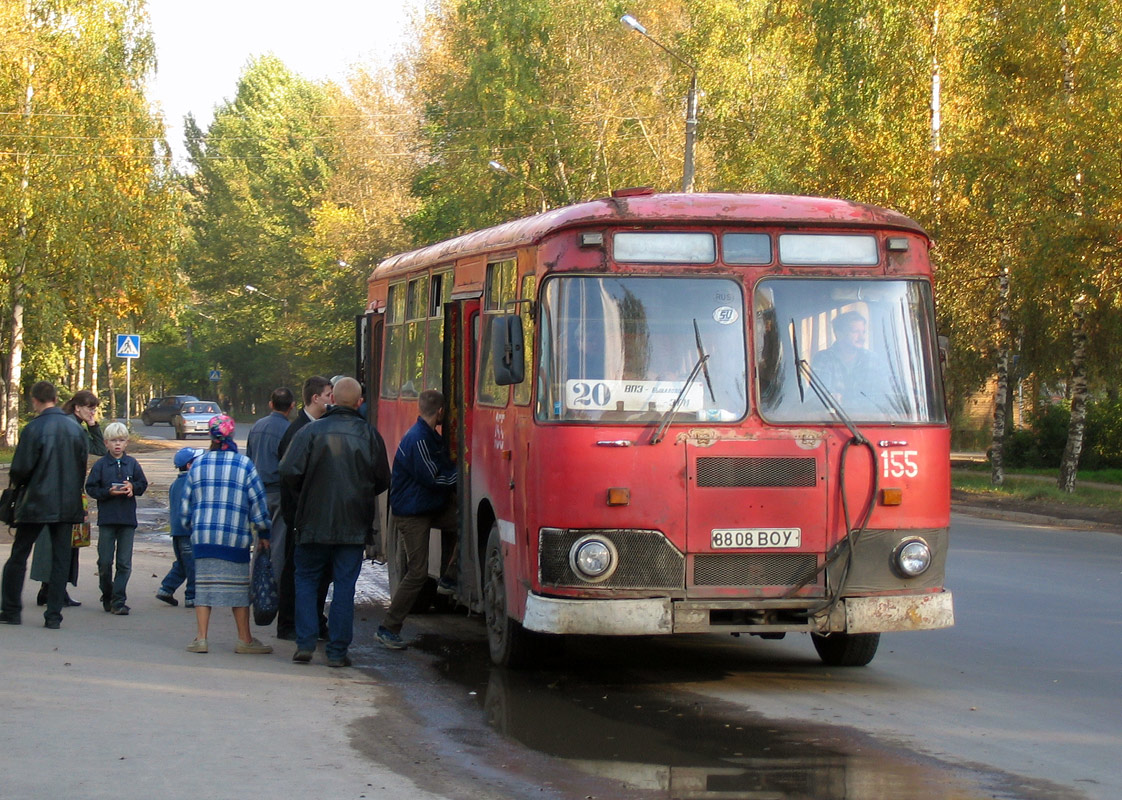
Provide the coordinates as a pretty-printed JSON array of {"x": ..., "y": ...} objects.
[{"x": 221, "y": 584}]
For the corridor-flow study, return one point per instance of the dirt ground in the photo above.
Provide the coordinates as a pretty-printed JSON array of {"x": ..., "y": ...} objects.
[{"x": 1018, "y": 509}]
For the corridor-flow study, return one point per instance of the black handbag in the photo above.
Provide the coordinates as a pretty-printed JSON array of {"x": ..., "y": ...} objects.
[
  {"x": 8, "y": 505},
  {"x": 263, "y": 589}
]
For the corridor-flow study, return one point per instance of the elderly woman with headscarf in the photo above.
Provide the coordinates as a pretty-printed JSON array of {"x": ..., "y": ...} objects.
[
  {"x": 82, "y": 408},
  {"x": 223, "y": 503}
]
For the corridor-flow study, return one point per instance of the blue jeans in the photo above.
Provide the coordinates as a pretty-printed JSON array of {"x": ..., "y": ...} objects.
[
  {"x": 311, "y": 561},
  {"x": 112, "y": 538},
  {"x": 182, "y": 570}
]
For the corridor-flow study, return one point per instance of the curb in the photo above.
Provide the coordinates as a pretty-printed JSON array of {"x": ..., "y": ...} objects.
[{"x": 1028, "y": 518}]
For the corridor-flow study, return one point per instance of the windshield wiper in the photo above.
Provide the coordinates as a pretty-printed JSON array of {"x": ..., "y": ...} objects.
[
  {"x": 803, "y": 368},
  {"x": 662, "y": 425},
  {"x": 704, "y": 359},
  {"x": 798, "y": 359}
]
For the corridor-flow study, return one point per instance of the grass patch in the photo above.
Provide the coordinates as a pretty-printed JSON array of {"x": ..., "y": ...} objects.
[
  {"x": 1052, "y": 473},
  {"x": 1035, "y": 488}
]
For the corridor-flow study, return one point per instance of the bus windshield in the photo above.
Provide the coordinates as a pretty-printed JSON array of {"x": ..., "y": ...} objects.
[
  {"x": 871, "y": 342},
  {"x": 620, "y": 349}
]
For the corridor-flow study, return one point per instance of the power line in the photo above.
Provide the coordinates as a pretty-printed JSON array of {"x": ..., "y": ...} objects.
[{"x": 420, "y": 154}]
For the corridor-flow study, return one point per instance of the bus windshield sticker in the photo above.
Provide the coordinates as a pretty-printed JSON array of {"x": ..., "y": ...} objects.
[
  {"x": 639, "y": 395},
  {"x": 725, "y": 315}
]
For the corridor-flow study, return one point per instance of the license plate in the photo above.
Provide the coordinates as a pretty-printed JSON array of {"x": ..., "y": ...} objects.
[{"x": 756, "y": 538}]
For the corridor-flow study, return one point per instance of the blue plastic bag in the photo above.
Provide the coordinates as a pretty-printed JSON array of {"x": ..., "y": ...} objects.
[{"x": 263, "y": 589}]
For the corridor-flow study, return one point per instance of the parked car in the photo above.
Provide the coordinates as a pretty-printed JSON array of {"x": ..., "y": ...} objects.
[
  {"x": 193, "y": 417},
  {"x": 164, "y": 409}
]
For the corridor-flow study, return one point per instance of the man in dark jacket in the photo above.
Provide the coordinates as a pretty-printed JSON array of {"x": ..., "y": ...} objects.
[
  {"x": 337, "y": 467},
  {"x": 49, "y": 467},
  {"x": 317, "y": 397},
  {"x": 421, "y": 497}
]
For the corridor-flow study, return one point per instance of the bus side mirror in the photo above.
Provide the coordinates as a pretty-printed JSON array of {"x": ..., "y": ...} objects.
[{"x": 506, "y": 350}]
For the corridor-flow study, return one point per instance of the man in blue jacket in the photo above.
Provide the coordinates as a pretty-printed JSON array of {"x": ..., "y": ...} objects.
[
  {"x": 261, "y": 446},
  {"x": 422, "y": 496}
]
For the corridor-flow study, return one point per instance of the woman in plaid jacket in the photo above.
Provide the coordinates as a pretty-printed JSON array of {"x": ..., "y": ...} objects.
[{"x": 223, "y": 504}]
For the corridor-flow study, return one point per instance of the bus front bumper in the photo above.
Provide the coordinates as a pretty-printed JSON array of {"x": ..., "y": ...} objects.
[{"x": 663, "y": 615}]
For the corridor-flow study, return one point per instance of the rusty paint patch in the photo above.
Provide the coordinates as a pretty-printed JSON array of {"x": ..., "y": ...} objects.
[
  {"x": 809, "y": 440},
  {"x": 707, "y": 437}
]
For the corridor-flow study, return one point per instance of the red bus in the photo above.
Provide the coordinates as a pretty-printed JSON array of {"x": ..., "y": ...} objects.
[{"x": 680, "y": 413}]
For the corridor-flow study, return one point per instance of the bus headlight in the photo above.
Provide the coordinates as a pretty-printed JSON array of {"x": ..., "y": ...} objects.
[
  {"x": 912, "y": 557},
  {"x": 593, "y": 558}
]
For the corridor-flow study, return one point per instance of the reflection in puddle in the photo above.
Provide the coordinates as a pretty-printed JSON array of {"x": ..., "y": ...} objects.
[{"x": 673, "y": 747}]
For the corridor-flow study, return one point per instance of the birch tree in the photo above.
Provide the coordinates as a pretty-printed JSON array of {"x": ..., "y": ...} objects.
[{"x": 80, "y": 179}]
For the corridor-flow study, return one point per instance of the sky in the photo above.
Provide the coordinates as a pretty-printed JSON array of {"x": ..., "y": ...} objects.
[{"x": 202, "y": 46}]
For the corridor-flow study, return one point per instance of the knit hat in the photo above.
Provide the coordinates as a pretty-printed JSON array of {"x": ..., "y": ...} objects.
[{"x": 184, "y": 457}]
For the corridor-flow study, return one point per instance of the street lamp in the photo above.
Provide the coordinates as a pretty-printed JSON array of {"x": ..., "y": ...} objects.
[
  {"x": 499, "y": 168},
  {"x": 691, "y": 100},
  {"x": 255, "y": 290}
]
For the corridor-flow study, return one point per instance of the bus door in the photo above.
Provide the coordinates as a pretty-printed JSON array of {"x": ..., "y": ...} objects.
[
  {"x": 370, "y": 329},
  {"x": 461, "y": 318},
  {"x": 756, "y": 513}
]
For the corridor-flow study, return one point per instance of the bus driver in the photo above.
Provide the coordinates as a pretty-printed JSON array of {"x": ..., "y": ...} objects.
[{"x": 850, "y": 371}]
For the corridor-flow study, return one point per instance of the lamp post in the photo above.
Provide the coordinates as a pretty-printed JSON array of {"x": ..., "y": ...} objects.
[
  {"x": 255, "y": 290},
  {"x": 499, "y": 168},
  {"x": 691, "y": 100}
]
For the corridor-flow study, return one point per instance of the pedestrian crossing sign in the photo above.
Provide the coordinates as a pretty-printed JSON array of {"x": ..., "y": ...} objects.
[{"x": 128, "y": 345}]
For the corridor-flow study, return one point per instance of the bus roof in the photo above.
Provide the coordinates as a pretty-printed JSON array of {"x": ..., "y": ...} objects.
[{"x": 649, "y": 208}]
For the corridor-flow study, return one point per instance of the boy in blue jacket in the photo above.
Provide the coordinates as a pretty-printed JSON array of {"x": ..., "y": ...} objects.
[
  {"x": 115, "y": 481},
  {"x": 184, "y": 567}
]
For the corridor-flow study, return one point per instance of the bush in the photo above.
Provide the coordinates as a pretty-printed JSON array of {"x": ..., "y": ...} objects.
[
  {"x": 1103, "y": 446},
  {"x": 1042, "y": 443}
]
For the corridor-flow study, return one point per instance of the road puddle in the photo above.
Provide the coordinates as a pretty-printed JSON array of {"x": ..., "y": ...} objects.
[{"x": 661, "y": 741}]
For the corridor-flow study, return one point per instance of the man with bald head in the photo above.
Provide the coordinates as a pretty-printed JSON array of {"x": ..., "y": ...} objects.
[{"x": 336, "y": 467}]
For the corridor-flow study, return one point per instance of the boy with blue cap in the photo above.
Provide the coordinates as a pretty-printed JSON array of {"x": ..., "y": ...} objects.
[{"x": 184, "y": 567}]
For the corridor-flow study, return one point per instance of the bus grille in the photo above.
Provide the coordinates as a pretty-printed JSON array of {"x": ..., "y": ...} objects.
[
  {"x": 767, "y": 472},
  {"x": 647, "y": 560},
  {"x": 747, "y": 569}
]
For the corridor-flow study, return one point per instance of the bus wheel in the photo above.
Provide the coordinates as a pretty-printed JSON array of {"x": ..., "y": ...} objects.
[
  {"x": 846, "y": 649},
  {"x": 509, "y": 642}
]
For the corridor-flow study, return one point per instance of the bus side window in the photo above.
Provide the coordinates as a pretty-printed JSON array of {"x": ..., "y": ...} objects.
[
  {"x": 440, "y": 293},
  {"x": 395, "y": 340},
  {"x": 413, "y": 361},
  {"x": 499, "y": 290},
  {"x": 523, "y": 390}
]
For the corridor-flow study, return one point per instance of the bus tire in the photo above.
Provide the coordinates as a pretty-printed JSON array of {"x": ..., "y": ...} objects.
[
  {"x": 510, "y": 644},
  {"x": 846, "y": 649}
]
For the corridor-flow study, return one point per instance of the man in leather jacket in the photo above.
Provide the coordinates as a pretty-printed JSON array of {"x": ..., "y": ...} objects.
[
  {"x": 337, "y": 467},
  {"x": 49, "y": 468}
]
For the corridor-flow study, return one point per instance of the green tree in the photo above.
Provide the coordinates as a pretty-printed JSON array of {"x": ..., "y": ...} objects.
[
  {"x": 89, "y": 208},
  {"x": 260, "y": 172}
]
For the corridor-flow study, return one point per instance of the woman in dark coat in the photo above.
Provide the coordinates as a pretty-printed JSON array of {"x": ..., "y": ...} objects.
[{"x": 82, "y": 408}]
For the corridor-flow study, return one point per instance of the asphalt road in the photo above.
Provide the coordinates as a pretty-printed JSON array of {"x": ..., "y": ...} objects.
[
  {"x": 1023, "y": 694},
  {"x": 1021, "y": 699},
  {"x": 1026, "y": 683}
]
